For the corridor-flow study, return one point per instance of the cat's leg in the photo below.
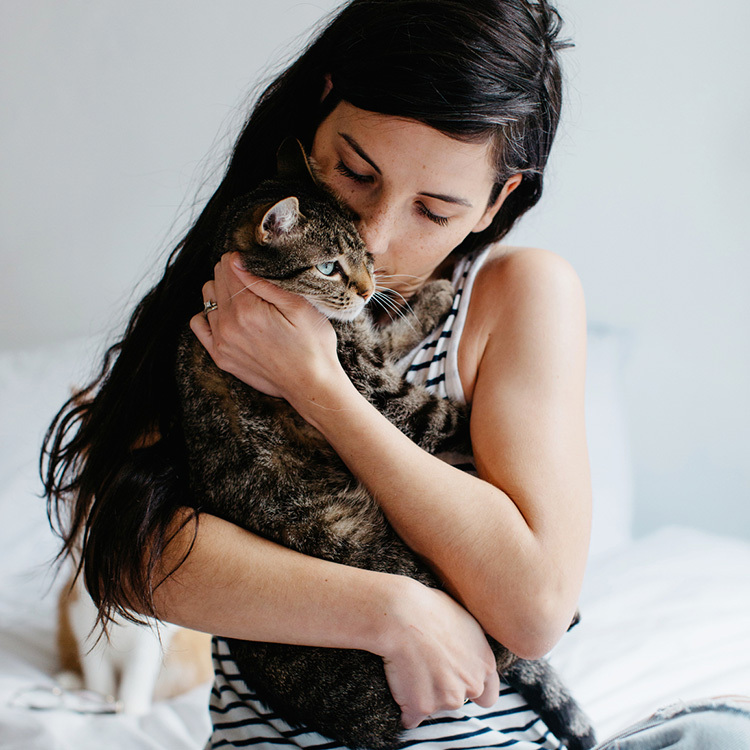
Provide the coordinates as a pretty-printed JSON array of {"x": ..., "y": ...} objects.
[
  {"x": 142, "y": 658},
  {"x": 99, "y": 673},
  {"x": 434, "y": 423}
]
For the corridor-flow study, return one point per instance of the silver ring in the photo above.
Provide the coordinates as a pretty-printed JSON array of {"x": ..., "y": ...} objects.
[{"x": 209, "y": 306}]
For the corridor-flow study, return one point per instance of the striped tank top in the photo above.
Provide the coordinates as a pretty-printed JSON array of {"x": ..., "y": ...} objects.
[{"x": 241, "y": 719}]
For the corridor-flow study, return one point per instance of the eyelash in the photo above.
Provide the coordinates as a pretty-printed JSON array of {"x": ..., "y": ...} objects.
[
  {"x": 351, "y": 174},
  {"x": 362, "y": 179},
  {"x": 440, "y": 220}
]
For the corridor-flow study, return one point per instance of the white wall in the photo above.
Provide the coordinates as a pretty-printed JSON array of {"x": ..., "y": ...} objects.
[
  {"x": 109, "y": 108},
  {"x": 648, "y": 199},
  {"x": 108, "y": 112}
]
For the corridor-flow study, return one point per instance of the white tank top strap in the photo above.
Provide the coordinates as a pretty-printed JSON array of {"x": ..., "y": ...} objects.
[{"x": 434, "y": 362}]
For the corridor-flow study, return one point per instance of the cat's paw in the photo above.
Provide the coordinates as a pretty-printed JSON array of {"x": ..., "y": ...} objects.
[
  {"x": 69, "y": 680},
  {"x": 433, "y": 303}
]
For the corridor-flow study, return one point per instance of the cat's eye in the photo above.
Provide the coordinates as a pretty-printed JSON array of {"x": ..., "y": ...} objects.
[{"x": 328, "y": 268}]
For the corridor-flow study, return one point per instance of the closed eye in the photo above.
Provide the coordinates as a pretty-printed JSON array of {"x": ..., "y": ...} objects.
[
  {"x": 441, "y": 220},
  {"x": 364, "y": 179},
  {"x": 352, "y": 175}
]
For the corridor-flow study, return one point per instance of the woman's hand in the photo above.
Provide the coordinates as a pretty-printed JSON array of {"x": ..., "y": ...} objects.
[
  {"x": 267, "y": 337},
  {"x": 436, "y": 656}
]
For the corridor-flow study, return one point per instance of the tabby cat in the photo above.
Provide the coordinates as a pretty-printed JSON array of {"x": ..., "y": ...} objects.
[{"x": 254, "y": 461}]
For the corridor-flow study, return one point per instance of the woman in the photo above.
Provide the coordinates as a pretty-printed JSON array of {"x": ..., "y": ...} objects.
[{"x": 433, "y": 121}]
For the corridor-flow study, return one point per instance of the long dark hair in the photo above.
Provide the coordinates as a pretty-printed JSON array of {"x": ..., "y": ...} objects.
[{"x": 112, "y": 461}]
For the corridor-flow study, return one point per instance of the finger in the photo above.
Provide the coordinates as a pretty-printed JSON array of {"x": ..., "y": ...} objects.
[
  {"x": 411, "y": 721},
  {"x": 201, "y": 328},
  {"x": 225, "y": 282},
  {"x": 491, "y": 691},
  {"x": 209, "y": 291}
]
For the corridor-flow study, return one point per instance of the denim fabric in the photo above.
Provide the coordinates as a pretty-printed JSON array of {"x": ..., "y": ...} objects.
[{"x": 707, "y": 725}]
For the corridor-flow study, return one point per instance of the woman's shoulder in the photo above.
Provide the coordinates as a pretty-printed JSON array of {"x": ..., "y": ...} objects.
[
  {"x": 509, "y": 269},
  {"x": 517, "y": 282},
  {"x": 522, "y": 297}
]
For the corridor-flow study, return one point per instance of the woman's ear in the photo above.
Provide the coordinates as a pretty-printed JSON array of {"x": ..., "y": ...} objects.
[
  {"x": 328, "y": 85},
  {"x": 510, "y": 185}
]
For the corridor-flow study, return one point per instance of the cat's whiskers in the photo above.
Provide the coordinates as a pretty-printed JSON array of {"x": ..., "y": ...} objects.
[
  {"x": 247, "y": 287},
  {"x": 380, "y": 302},
  {"x": 382, "y": 297},
  {"x": 404, "y": 304},
  {"x": 410, "y": 283},
  {"x": 321, "y": 322},
  {"x": 381, "y": 275},
  {"x": 387, "y": 304}
]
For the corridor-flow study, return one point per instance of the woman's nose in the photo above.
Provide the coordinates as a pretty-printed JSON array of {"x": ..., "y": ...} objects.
[{"x": 376, "y": 229}]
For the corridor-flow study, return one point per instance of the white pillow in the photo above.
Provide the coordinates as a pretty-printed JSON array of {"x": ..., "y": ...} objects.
[{"x": 34, "y": 384}]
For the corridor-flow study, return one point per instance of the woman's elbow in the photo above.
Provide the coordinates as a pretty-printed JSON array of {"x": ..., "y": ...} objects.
[{"x": 534, "y": 628}]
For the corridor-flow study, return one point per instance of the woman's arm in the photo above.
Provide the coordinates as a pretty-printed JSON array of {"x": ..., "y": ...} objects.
[
  {"x": 511, "y": 545},
  {"x": 236, "y": 584}
]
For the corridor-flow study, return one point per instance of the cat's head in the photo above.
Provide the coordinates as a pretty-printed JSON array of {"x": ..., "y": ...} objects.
[{"x": 294, "y": 233}]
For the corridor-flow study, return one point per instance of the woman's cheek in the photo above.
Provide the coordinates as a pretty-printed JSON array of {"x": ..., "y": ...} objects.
[
  {"x": 434, "y": 245},
  {"x": 341, "y": 188}
]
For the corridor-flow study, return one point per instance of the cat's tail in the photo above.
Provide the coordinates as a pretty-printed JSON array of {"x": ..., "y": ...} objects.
[{"x": 544, "y": 691}]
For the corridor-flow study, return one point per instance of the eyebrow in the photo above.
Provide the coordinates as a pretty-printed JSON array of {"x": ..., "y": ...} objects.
[
  {"x": 359, "y": 150},
  {"x": 449, "y": 199},
  {"x": 438, "y": 196}
]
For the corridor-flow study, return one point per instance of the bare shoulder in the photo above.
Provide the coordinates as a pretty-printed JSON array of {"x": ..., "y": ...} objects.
[
  {"x": 526, "y": 303},
  {"x": 510, "y": 271}
]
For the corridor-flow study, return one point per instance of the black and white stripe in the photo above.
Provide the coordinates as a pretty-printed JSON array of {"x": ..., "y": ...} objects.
[{"x": 242, "y": 720}]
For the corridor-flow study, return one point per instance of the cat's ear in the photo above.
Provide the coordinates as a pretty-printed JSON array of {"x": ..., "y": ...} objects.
[
  {"x": 280, "y": 219},
  {"x": 292, "y": 161}
]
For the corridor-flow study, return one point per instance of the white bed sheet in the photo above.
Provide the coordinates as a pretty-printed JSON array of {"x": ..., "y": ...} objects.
[{"x": 664, "y": 618}]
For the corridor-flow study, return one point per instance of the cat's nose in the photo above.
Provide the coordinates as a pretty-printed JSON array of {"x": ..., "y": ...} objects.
[{"x": 365, "y": 286}]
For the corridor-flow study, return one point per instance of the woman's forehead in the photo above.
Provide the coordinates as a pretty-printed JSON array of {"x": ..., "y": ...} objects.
[{"x": 395, "y": 145}]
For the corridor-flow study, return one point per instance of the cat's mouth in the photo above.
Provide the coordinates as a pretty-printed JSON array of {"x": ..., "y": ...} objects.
[{"x": 350, "y": 312}]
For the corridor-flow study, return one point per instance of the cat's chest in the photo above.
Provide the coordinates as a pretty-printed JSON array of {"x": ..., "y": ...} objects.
[
  {"x": 269, "y": 419},
  {"x": 361, "y": 353}
]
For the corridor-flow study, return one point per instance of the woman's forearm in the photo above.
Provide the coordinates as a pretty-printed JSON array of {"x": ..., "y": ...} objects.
[
  {"x": 469, "y": 531},
  {"x": 239, "y": 585}
]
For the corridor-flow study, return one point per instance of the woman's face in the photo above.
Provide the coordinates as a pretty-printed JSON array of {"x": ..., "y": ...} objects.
[{"x": 417, "y": 192}]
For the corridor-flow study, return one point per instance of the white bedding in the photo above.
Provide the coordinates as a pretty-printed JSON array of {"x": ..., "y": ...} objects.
[{"x": 666, "y": 617}]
